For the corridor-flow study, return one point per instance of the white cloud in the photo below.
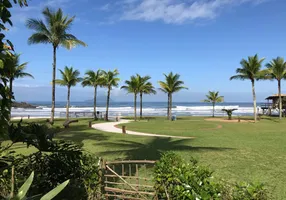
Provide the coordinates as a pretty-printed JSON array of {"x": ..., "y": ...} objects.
[
  {"x": 20, "y": 15},
  {"x": 177, "y": 11},
  {"x": 105, "y": 7}
]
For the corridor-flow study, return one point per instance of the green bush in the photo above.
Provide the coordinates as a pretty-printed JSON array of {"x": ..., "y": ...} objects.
[
  {"x": 51, "y": 169},
  {"x": 180, "y": 180}
]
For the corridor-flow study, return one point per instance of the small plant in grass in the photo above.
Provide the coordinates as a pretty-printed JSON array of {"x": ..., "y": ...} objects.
[
  {"x": 229, "y": 112},
  {"x": 178, "y": 179}
]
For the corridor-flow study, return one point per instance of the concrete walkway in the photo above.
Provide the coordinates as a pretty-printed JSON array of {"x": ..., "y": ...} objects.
[{"x": 111, "y": 127}]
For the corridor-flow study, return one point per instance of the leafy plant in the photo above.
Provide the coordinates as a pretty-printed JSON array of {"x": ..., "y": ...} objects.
[
  {"x": 177, "y": 179},
  {"x": 5, "y": 47},
  {"x": 52, "y": 168},
  {"x": 26, "y": 186},
  {"x": 37, "y": 135},
  {"x": 229, "y": 112},
  {"x": 249, "y": 191}
]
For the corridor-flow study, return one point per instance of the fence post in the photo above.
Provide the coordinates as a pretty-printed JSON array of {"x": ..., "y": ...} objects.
[
  {"x": 124, "y": 129},
  {"x": 89, "y": 124},
  {"x": 101, "y": 176}
]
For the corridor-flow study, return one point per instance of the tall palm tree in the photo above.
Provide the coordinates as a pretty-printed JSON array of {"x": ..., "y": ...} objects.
[
  {"x": 53, "y": 31},
  {"x": 110, "y": 80},
  {"x": 276, "y": 69},
  {"x": 133, "y": 86},
  {"x": 250, "y": 70},
  {"x": 70, "y": 77},
  {"x": 171, "y": 85},
  {"x": 15, "y": 69},
  {"x": 213, "y": 97},
  {"x": 93, "y": 79},
  {"x": 146, "y": 87}
]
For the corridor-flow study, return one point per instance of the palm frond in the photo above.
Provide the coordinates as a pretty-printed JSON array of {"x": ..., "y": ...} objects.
[
  {"x": 54, "y": 30},
  {"x": 172, "y": 83},
  {"x": 70, "y": 77},
  {"x": 213, "y": 97},
  {"x": 37, "y": 38}
]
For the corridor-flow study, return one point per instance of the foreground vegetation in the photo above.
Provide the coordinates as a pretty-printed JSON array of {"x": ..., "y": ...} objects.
[{"x": 252, "y": 152}]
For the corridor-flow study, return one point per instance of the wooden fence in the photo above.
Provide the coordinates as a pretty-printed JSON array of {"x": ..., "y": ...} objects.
[{"x": 128, "y": 180}]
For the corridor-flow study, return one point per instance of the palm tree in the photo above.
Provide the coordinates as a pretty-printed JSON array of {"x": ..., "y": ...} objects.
[
  {"x": 133, "y": 86},
  {"x": 110, "y": 80},
  {"x": 171, "y": 85},
  {"x": 53, "y": 31},
  {"x": 146, "y": 87},
  {"x": 70, "y": 77},
  {"x": 276, "y": 69},
  {"x": 15, "y": 69},
  {"x": 93, "y": 79},
  {"x": 250, "y": 70},
  {"x": 213, "y": 97}
]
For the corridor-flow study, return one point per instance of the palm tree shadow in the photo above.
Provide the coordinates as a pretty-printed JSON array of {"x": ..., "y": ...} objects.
[
  {"x": 80, "y": 136},
  {"x": 148, "y": 151},
  {"x": 153, "y": 149}
]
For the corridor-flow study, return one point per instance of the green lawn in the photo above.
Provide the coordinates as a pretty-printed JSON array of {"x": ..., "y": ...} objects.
[{"x": 236, "y": 151}]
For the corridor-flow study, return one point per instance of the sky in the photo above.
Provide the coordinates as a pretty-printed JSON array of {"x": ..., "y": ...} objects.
[{"x": 202, "y": 40}]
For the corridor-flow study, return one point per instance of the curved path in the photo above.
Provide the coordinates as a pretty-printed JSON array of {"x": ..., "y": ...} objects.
[{"x": 111, "y": 127}]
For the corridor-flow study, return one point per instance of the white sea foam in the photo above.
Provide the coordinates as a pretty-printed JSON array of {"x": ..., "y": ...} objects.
[{"x": 43, "y": 111}]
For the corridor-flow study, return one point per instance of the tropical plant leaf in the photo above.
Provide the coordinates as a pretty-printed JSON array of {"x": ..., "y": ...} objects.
[
  {"x": 24, "y": 188},
  {"x": 1, "y": 64},
  {"x": 50, "y": 195}
]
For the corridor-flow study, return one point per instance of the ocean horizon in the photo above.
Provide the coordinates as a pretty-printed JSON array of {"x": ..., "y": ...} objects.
[{"x": 127, "y": 108}]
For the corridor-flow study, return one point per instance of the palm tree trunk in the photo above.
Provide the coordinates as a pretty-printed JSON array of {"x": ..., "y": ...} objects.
[
  {"x": 213, "y": 108},
  {"x": 141, "y": 105},
  {"x": 54, "y": 84},
  {"x": 254, "y": 101},
  {"x": 11, "y": 87},
  {"x": 94, "y": 102},
  {"x": 135, "y": 107},
  {"x": 107, "y": 104},
  {"x": 68, "y": 103},
  {"x": 170, "y": 107},
  {"x": 280, "y": 99}
]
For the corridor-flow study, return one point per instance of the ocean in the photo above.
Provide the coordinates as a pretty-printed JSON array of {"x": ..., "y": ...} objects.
[{"x": 126, "y": 109}]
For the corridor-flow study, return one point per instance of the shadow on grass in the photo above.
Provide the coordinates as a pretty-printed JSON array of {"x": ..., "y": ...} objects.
[
  {"x": 153, "y": 149},
  {"x": 272, "y": 118},
  {"x": 76, "y": 134}
]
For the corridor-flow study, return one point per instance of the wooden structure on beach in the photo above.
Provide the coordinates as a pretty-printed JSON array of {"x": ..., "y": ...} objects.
[
  {"x": 273, "y": 104},
  {"x": 83, "y": 114}
]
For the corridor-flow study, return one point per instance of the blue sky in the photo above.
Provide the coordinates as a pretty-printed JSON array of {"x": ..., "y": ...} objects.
[{"x": 203, "y": 40}]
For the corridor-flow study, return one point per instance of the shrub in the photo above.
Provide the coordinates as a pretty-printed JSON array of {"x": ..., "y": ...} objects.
[
  {"x": 53, "y": 168},
  {"x": 178, "y": 179}
]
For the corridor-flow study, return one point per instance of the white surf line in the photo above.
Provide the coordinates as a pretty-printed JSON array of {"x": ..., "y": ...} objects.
[{"x": 111, "y": 128}]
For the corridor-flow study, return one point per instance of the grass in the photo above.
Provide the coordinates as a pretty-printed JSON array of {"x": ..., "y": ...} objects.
[{"x": 236, "y": 151}]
